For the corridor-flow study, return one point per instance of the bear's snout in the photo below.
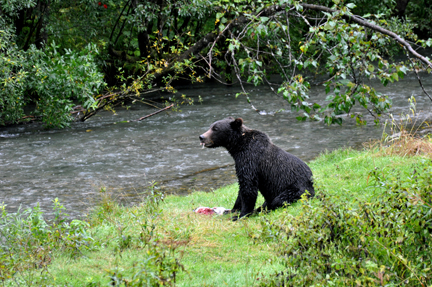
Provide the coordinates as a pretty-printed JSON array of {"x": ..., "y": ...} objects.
[{"x": 205, "y": 139}]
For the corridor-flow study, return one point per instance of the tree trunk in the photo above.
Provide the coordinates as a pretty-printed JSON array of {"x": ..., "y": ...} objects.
[
  {"x": 400, "y": 8},
  {"x": 41, "y": 34},
  {"x": 143, "y": 44},
  {"x": 19, "y": 21}
]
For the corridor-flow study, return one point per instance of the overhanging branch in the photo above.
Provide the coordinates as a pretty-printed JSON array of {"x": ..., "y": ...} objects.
[
  {"x": 364, "y": 23},
  {"x": 272, "y": 10}
]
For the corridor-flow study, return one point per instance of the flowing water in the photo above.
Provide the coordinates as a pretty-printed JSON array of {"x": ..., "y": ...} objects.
[{"x": 37, "y": 166}]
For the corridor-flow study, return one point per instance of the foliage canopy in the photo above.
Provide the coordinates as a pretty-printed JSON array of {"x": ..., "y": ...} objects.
[{"x": 63, "y": 58}]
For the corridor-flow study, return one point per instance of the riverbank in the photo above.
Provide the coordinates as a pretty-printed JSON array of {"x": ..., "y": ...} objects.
[{"x": 370, "y": 223}]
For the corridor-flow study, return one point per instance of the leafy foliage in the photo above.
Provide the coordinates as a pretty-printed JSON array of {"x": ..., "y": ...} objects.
[
  {"x": 27, "y": 241},
  {"x": 419, "y": 11},
  {"x": 300, "y": 44},
  {"x": 140, "y": 228},
  {"x": 148, "y": 46},
  {"x": 384, "y": 242},
  {"x": 55, "y": 82}
]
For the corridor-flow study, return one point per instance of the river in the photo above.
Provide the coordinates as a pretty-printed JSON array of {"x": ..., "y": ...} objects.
[{"x": 73, "y": 164}]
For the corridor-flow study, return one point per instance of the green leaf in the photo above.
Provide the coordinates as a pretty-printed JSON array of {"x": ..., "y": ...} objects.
[
  {"x": 302, "y": 119},
  {"x": 345, "y": 82},
  {"x": 264, "y": 19},
  {"x": 298, "y": 6},
  {"x": 403, "y": 69}
]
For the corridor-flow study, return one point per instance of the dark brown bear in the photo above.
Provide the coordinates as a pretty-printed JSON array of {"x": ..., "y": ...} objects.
[{"x": 260, "y": 165}]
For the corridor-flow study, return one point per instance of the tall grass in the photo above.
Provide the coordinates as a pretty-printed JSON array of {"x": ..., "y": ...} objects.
[
  {"x": 28, "y": 241},
  {"x": 404, "y": 137}
]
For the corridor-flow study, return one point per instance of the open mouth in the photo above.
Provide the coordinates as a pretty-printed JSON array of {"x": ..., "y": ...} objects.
[{"x": 203, "y": 144}]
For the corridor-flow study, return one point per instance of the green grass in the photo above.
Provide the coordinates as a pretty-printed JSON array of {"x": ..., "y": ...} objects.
[
  {"x": 213, "y": 249},
  {"x": 210, "y": 250},
  {"x": 345, "y": 173}
]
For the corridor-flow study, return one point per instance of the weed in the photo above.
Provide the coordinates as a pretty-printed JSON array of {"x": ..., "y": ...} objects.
[
  {"x": 27, "y": 242},
  {"x": 140, "y": 227}
]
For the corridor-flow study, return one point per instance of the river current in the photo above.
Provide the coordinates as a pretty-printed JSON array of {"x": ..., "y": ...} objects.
[{"x": 74, "y": 164}]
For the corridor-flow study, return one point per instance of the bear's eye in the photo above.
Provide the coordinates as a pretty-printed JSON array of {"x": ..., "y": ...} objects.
[{"x": 215, "y": 129}]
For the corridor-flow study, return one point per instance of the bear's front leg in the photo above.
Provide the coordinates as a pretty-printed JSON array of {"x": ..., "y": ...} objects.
[
  {"x": 248, "y": 196},
  {"x": 237, "y": 204},
  {"x": 247, "y": 175}
]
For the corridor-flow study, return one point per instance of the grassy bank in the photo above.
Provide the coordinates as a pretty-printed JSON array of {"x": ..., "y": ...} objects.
[{"x": 356, "y": 231}]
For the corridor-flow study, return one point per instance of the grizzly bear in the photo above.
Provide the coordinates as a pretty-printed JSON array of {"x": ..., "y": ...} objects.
[{"x": 260, "y": 166}]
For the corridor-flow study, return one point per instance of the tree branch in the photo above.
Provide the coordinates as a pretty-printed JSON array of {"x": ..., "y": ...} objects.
[
  {"x": 155, "y": 113},
  {"x": 364, "y": 23},
  {"x": 118, "y": 20},
  {"x": 418, "y": 78},
  {"x": 213, "y": 36}
]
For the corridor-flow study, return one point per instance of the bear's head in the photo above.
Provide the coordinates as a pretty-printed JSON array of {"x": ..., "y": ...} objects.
[{"x": 222, "y": 133}]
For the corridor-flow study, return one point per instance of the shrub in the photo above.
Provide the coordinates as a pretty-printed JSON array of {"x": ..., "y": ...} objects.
[
  {"x": 54, "y": 81},
  {"x": 139, "y": 227},
  {"x": 384, "y": 242},
  {"x": 27, "y": 241}
]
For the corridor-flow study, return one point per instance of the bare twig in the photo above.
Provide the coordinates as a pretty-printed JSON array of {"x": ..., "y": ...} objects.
[
  {"x": 214, "y": 43},
  {"x": 418, "y": 78},
  {"x": 155, "y": 113}
]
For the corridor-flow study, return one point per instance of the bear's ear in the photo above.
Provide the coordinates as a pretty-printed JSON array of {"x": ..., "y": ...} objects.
[{"x": 237, "y": 123}]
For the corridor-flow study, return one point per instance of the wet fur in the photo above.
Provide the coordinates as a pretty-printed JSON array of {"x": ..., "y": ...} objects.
[{"x": 260, "y": 166}]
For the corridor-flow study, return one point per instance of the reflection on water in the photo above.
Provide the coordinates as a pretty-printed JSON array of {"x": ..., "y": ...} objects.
[{"x": 73, "y": 164}]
